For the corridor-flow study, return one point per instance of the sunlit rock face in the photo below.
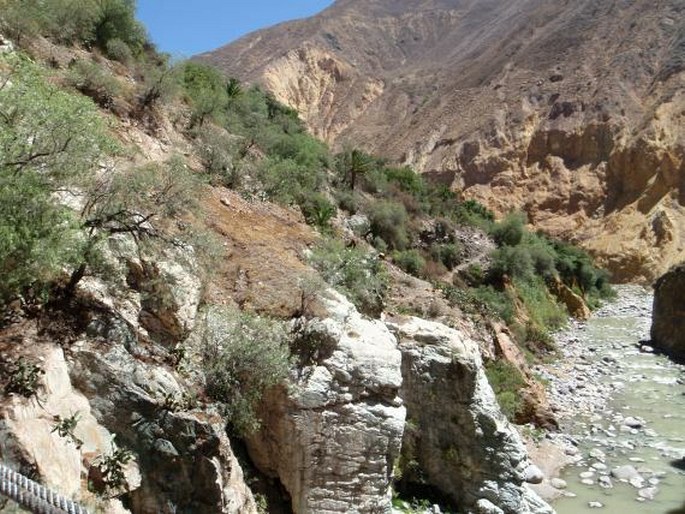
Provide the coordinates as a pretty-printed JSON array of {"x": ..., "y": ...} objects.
[
  {"x": 457, "y": 440},
  {"x": 333, "y": 436}
]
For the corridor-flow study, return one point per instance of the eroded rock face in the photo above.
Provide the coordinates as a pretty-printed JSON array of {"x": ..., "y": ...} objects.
[
  {"x": 28, "y": 438},
  {"x": 668, "y": 314},
  {"x": 185, "y": 457},
  {"x": 333, "y": 437},
  {"x": 457, "y": 440}
]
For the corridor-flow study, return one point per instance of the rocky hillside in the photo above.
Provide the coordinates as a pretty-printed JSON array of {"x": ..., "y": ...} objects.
[
  {"x": 188, "y": 323},
  {"x": 573, "y": 112}
]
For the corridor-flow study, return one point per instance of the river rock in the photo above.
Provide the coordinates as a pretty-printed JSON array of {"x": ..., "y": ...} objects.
[
  {"x": 625, "y": 473},
  {"x": 460, "y": 440},
  {"x": 558, "y": 483},
  {"x": 333, "y": 436},
  {"x": 632, "y": 422},
  {"x": 668, "y": 313},
  {"x": 648, "y": 493},
  {"x": 605, "y": 482}
]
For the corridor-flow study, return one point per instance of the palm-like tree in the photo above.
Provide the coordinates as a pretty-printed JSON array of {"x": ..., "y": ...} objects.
[{"x": 354, "y": 163}]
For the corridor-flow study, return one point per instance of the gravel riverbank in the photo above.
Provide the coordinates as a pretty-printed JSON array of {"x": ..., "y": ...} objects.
[{"x": 621, "y": 410}]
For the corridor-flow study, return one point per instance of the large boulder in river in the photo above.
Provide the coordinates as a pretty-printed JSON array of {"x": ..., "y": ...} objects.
[
  {"x": 668, "y": 314},
  {"x": 457, "y": 442}
]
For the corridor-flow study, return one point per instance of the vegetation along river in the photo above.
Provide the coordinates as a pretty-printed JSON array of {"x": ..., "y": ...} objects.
[{"x": 622, "y": 413}]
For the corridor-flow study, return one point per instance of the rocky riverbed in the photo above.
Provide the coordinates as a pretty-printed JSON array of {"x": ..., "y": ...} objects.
[{"x": 622, "y": 413}]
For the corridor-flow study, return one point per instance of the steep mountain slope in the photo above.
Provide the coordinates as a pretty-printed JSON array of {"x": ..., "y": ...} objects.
[{"x": 571, "y": 111}]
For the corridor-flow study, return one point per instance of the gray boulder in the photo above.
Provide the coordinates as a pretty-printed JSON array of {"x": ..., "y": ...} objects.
[{"x": 457, "y": 439}]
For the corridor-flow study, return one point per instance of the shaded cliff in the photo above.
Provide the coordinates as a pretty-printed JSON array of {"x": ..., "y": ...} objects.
[
  {"x": 668, "y": 316},
  {"x": 570, "y": 111}
]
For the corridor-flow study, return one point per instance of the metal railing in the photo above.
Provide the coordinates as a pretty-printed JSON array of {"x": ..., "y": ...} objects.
[{"x": 33, "y": 496}]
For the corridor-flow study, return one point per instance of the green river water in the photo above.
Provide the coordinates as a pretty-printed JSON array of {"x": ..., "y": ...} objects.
[{"x": 648, "y": 386}]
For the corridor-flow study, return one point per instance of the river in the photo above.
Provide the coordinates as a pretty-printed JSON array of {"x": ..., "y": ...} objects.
[{"x": 622, "y": 414}]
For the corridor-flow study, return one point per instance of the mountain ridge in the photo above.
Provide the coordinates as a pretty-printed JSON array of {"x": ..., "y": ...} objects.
[{"x": 571, "y": 112}]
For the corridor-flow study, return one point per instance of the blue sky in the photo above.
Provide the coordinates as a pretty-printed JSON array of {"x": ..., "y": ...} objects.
[{"x": 184, "y": 27}]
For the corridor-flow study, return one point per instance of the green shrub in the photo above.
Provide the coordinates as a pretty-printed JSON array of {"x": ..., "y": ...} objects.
[
  {"x": 116, "y": 19},
  {"x": 156, "y": 83},
  {"x": 357, "y": 274},
  {"x": 349, "y": 201},
  {"x": 496, "y": 302},
  {"x": 388, "y": 221},
  {"x": 543, "y": 309},
  {"x": 205, "y": 91},
  {"x": 219, "y": 154},
  {"x": 507, "y": 382},
  {"x": 406, "y": 179},
  {"x": 513, "y": 262},
  {"x": 471, "y": 213},
  {"x": 94, "y": 81},
  {"x": 510, "y": 231},
  {"x": 243, "y": 356},
  {"x": 543, "y": 257},
  {"x": 317, "y": 210},
  {"x": 410, "y": 261},
  {"x": 448, "y": 254},
  {"x": 285, "y": 180},
  {"x": 38, "y": 236},
  {"x": 25, "y": 377},
  {"x": 352, "y": 164},
  {"x": 119, "y": 51}
]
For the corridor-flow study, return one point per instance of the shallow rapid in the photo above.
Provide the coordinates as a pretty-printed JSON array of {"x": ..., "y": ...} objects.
[{"x": 622, "y": 413}]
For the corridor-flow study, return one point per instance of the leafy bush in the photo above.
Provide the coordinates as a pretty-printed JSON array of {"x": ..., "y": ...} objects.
[
  {"x": 285, "y": 180},
  {"x": 510, "y": 231},
  {"x": 410, "y": 261},
  {"x": 496, "y": 302},
  {"x": 94, "y": 81},
  {"x": 24, "y": 377},
  {"x": 116, "y": 19},
  {"x": 243, "y": 356},
  {"x": 357, "y": 274},
  {"x": 119, "y": 51},
  {"x": 205, "y": 90},
  {"x": 349, "y": 201},
  {"x": 352, "y": 164},
  {"x": 88, "y": 22},
  {"x": 388, "y": 221},
  {"x": 507, "y": 382},
  {"x": 38, "y": 236},
  {"x": 577, "y": 271},
  {"x": 545, "y": 312},
  {"x": 406, "y": 179},
  {"x": 448, "y": 254},
  {"x": 156, "y": 83},
  {"x": 219, "y": 154},
  {"x": 513, "y": 262},
  {"x": 317, "y": 210}
]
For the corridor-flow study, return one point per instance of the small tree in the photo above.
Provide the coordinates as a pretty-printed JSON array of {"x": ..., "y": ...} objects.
[
  {"x": 49, "y": 141},
  {"x": 243, "y": 356},
  {"x": 353, "y": 163}
]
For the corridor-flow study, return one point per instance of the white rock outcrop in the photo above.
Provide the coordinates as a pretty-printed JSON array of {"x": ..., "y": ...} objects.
[
  {"x": 459, "y": 442},
  {"x": 333, "y": 437}
]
